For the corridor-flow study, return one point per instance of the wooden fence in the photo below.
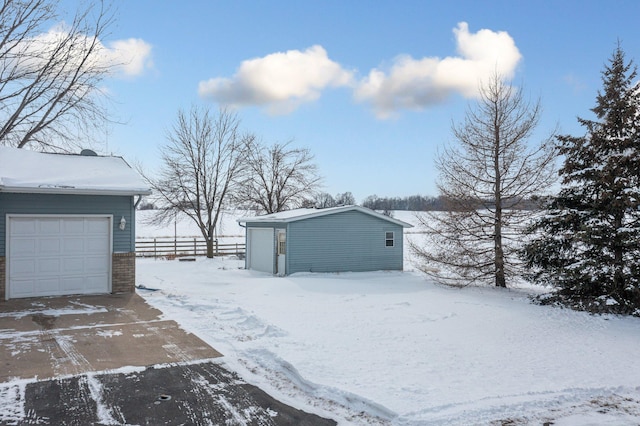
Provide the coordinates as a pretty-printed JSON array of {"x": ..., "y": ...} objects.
[{"x": 184, "y": 246}]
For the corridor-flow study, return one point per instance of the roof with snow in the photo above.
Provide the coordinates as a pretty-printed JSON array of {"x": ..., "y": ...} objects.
[
  {"x": 301, "y": 214},
  {"x": 26, "y": 171}
]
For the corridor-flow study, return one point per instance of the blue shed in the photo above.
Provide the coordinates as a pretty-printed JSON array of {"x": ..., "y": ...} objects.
[
  {"x": 338, "y": 239},
  {"x": 66, "y": 223}
]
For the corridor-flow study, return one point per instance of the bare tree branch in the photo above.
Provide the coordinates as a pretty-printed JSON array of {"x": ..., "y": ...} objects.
[
  {"x": 279, "y": 178},
  {"x": 50, "y": 77},
  {"x": 486, "y": 177},
  {"x": 202, "y": 166}
]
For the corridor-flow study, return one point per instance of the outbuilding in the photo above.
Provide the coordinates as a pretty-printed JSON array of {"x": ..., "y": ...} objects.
[
  {"x": 67, "y": 223},
  {"x": 337, "y": 239}
]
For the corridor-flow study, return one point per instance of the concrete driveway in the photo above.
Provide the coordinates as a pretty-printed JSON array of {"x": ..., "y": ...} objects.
[
  {"x": 113, "y": 359},
  {"x": 50, "y": 337}
]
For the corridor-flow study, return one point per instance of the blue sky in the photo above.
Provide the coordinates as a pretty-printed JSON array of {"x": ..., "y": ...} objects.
[{"x": 370, "y": 87}]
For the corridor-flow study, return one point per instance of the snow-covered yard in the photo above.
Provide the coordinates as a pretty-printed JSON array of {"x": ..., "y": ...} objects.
[{"x": 370, "y": 348}]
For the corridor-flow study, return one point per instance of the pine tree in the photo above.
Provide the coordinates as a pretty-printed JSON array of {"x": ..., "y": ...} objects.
[{"x": 588, "y": 244}]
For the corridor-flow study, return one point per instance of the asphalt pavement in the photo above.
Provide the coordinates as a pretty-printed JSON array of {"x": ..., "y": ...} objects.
[
  {"x": 195, "y": 394},
  {"x": 115, "y": 360}
]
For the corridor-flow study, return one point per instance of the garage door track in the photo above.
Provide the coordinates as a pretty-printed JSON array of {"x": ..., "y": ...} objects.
[{"x": 113, "y": 359}]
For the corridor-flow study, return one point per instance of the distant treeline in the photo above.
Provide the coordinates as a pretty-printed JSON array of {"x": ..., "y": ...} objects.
[
  {"x": 418, "y": 203},
  {"x": 429, "y": 203}
]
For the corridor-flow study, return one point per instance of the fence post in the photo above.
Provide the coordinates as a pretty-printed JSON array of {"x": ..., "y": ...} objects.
[
  {"x": 155, "y": 248},
  {"x": 195, "y": 252},
  {"x": 217, "y": 250}
]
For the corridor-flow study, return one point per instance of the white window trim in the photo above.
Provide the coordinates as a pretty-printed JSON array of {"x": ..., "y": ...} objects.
[{"x": 392, "y": 239}]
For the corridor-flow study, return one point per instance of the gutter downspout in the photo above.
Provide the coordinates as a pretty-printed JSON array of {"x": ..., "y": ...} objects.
[{"x": 135, "y": 206}]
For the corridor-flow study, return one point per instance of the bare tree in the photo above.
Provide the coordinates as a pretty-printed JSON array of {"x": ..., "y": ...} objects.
[
  {"x": 324, "y": 200},
  {"x": 486, "y": 177},
  {"x": 345, "y": 199},
  {"x": 202, "y": 164},
  {"x": 49, "y": 80},
  {"x": 279, "y": 178}
]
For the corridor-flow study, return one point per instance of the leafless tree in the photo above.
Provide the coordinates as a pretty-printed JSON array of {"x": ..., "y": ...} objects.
[
  {"x": 280, "y": 177},
  {"x": 202, "y": 165},
  {"x": 50, "y": 77},
  {"x": 324, "y": 200},
  {"x": 486, "y": 176},
  {"x": 345, "y": 199}
]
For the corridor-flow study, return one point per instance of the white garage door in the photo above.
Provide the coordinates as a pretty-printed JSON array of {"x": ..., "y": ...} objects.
[
  {"x": 261, "y": 249},
  {"x": 49, "y": 256}
]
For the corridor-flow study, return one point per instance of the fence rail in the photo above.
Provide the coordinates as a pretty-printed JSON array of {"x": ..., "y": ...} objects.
[{"x": 184, "y": 246}]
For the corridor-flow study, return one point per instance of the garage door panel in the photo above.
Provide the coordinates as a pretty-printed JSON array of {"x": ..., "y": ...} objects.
[
  {"x": 56, "y": 256},
  {"x": 49, "y": 227},
  {"x": 23, "y": 245},
  {"x": 74, "y": 226},
  {"x": 23, "y": 267},
  {"x": 72, "y": 284},
  {"x": 95, "y": 264},
  {"x": 73, "y": 265},
  {"x": 48, "y": 266},
  {"x": 23, "y": 287},
  {"x": 97, "y": 227},
  {"x": 48, "y": 246},
  {"x": 74, "y": 246},
  {"x": 95, "y": 282},
  {"x": 95, "y": 246},
  {"x": 21, "y": 227},
  {"x": 47, "y": 286}
]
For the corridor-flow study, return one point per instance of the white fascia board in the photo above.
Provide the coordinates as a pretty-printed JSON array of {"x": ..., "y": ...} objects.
[
  {"x": 320, "y": 212},
  {"x": 73, "y": 191}
]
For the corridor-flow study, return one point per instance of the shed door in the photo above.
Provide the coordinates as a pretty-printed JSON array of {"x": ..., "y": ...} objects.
[
  {"x": 281, "y": 252},
  {"x": 261, "y": 249},
  {"x": 49, "y": 256}
]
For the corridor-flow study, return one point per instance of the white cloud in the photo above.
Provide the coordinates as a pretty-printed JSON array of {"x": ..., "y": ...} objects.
[
  {"x": 126, "y": 58},
  {"x": 131, "y": 56},
  {"x": 279, "y": 81},
  {"x": 417, "y": 83}
]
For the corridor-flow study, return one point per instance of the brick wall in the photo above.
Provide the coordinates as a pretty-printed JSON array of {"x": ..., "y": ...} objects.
[
  {"x": 3, "y": 280},
  {"x": 123, "y": 272}
]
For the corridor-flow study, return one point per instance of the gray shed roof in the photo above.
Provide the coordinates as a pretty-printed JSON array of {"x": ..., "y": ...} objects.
[
  {"x": 301, "y": 214},
  {"x": 26, "y": 171}
]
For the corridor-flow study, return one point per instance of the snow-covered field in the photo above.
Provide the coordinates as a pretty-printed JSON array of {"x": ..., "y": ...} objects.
[{"x": 393, "y": 348}]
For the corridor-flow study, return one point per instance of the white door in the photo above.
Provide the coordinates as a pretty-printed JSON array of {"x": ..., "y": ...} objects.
[
  {"x": 281, "y": 251},
  {"x": 261, "y": 249},
  {"x": 49, "y": 256}
]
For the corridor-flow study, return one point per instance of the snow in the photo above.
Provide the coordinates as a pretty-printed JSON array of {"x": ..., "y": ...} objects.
[
  {"x": 393, "y": 348},
  {"x": 22, "y": 170},
  {"x": 305, "y": 213}
]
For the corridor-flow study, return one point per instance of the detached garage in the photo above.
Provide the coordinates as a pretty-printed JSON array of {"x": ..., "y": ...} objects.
[
  {"x": 339, "y": 239},
  {"x": 66, "y": 224}
]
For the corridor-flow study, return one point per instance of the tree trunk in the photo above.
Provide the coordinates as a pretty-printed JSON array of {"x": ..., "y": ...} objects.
[
  {"x": 618, "y": 260},
  {"x": 497, "y": 194},
  {"x": 499, "y": 252},
  {"x": 209, "y": 247}
]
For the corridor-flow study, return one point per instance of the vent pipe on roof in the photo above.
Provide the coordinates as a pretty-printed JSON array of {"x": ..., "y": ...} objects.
[{"x": 88, "y": 153}]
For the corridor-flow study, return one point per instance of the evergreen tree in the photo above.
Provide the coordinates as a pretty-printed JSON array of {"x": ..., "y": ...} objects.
[{"x": 588, "y": 244}]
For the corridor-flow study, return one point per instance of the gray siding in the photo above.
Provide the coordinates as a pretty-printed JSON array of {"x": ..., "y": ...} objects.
[
  {"x": 341, "y": 242},
  {"x": 118, "y": 206}
]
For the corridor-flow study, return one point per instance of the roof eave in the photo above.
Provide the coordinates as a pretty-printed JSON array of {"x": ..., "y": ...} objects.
[
  {"x": 73, "y": 191},
  {"x": 320, "y": 212}
]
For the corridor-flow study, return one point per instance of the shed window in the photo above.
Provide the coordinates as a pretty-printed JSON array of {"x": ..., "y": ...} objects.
[
  {"x": 388, "y": 239},
  {"x": 282, "y": 243}
]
